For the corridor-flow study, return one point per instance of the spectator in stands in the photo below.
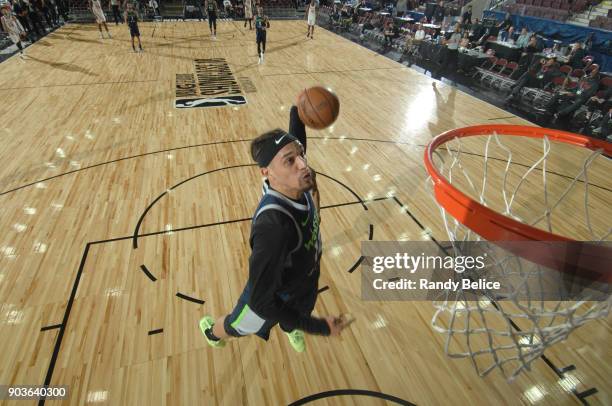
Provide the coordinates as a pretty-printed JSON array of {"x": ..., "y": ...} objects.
[
  {"x": 566, "y": 102},
  {"x": 484, "y": 38},
  {"x": 605, "y": 127},
  {"x": 523, "y": 39},
  {"x": 588, "y": 120},
  {"x": 448, "y": 62},
  {"x": 540, "y": 74},
  {"x": 540, "y": 41},
  {"x": 43, "y": 9},
  {"x": 527, "y": 57},
  {"x": 376, "y": 21},
  {"x": 35, "y": 18},
  {"x": 402, "y": 7},
  {"x": 53, "y": 13},
  {"x": 466, "y": 18},
  {"x": 410, "y": 46},
  {"x": 21, "y": 12},
  {"x": 576, "y": 55},
  {"x": 419, "y": 35},
  {"x": 510, "y": 36},
  {"x": 388, "y": 32},
  {"x": 602, "y": 103},
  {"x": 438, "y": 15},
  {"x": 588, "y": 42},
  {"x": 600, "y": 127},
  {"x": 12, "y": 27},
  {"x": 556, "y": 49},
  {"x": 366, "y": 24},
  {"x": 335, "y": 14},
  {"x": 227, "y": 6},
  {"x": 477, "y": 31},
  {"x": 465, "y": 41},
  {"x": 154, "y": 6},
  {"x": 532, "y": 45},
  {"x": 507, "y": 23},
  {"x": 62, "y": 8}
]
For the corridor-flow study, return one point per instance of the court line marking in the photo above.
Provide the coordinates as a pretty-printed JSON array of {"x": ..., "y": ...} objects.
[
  {"x": 248, "y": 140},
  {"x": 75, "y": 285}
]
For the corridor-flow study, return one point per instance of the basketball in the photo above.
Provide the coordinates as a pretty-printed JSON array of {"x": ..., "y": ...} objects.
[{"x": 318, "y": 107}]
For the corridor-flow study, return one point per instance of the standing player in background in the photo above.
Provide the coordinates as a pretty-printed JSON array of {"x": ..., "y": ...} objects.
[
  {"x": 311, "y": 14},
  {"x": 248, "y": 13},
  {"x": 261, "y": 26},
  {"x": 12, "y": 26},
  {"x": 213, "y": 10},
  {"x": 131, "y": 19},
  {"x": 96, "y": 9},
  {"x": 114, "y": 7}
]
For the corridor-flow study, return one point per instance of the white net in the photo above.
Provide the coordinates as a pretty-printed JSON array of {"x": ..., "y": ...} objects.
[{"x": 507, "y": 329}]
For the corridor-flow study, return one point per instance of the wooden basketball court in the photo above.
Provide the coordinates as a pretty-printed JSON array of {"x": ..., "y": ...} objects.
[{"x": 126, "y": 219}]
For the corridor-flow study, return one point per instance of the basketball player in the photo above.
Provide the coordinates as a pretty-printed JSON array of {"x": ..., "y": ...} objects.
[
  {"x": 261, "y": 26},
  {"x": 213, "y": 10},
  {"x": 131, "y": 19},
  {"x": 12, "y": 26},
  {"x": 298, "y": 130},
  {"x": 114, "y": 4},
  {"x": 284, "y": 266},
  {"x": 312, "y": 17},
  {"x": 248, "y": 13},
  {"x": 96, "y": 9}
]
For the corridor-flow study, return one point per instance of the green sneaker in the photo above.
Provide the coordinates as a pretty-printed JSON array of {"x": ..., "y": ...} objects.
[
  {"x": 206, "y": 323},
  {"x": 296, "y": 339}
]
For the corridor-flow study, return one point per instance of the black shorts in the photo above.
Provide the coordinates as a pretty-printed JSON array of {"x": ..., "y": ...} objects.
[
  {"x": 243, "y": 321},
  {"x": 260, "y": 36},
  {"x": 134, "y": 31}
]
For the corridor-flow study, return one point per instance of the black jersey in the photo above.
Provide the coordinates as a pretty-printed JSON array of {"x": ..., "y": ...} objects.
[
  {"x": 132, "y": 18},
  {"x": 261, "y": 23},
  {"x": 285, "y": 261}
]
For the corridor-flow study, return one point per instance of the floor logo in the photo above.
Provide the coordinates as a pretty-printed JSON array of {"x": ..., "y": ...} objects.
[{"x": 212, "y": 85}]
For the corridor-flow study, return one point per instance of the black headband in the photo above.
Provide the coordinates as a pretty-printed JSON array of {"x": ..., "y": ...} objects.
[{"x": 271, "y": 146}]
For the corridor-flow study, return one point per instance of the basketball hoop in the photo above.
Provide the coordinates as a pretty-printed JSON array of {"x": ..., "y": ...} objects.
[{"x": 508, "y": 331}]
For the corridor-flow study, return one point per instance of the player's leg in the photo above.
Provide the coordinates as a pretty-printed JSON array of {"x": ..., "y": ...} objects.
[
  {"x": 240, "y": 322},
  {"x": 20, "y": 46},
  {"x": 263, "y": 44},
  {"x": 304, "y": 305},
  {"x": 259, "y": 47}
]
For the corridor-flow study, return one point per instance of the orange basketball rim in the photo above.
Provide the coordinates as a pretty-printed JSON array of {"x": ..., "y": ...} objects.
[{"x": 505, "y": 231}]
